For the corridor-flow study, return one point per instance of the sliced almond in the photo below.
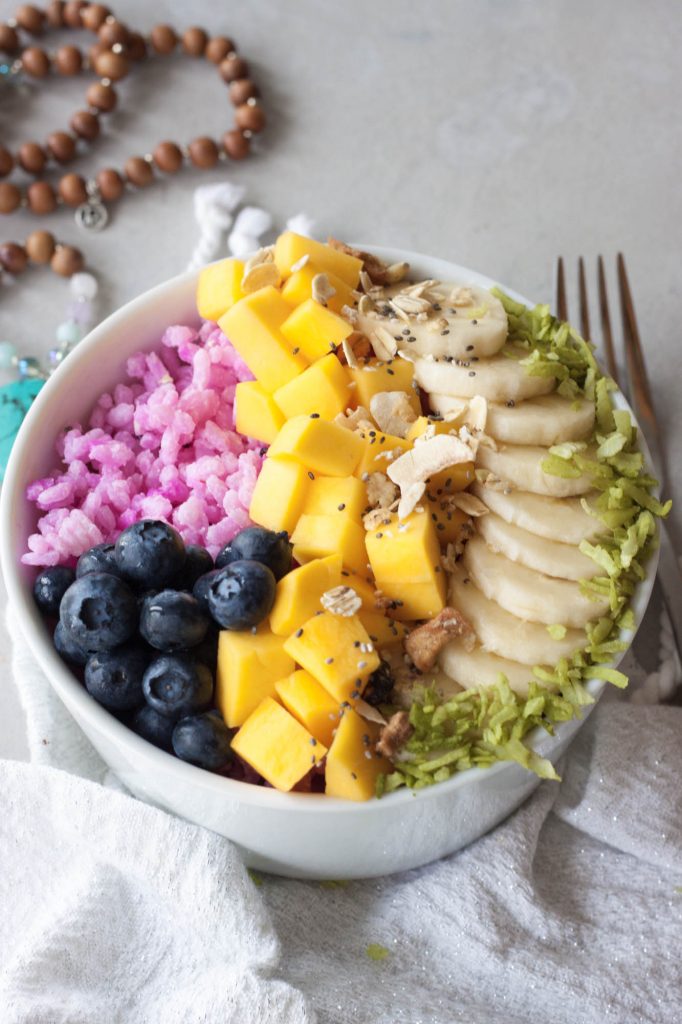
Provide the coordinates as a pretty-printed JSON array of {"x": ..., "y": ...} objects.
[
  {"x": 322, "y": 289},
  {"x": 353, "y": 418},
  {"x": 343, "y": 601},
  {"x": 384, "y": 344},
  {"x": 392, "y": 412},
  {"x": 260, "y": 276},
  {"x": 368, "y": 712},
  {"x": 410, "y": 304},
  {"x": 396, "y": 272},
  {"x": 469, "y": 504},
  {"x": 366, "y": 281},
  {"x": 411, "y": 471},
  {"x": 461, "y": 297},
  {"x": 350, "y": 314}
]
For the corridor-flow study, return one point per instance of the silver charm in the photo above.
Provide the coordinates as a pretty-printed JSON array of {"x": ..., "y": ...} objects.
[{"x": 92, "y": 215}]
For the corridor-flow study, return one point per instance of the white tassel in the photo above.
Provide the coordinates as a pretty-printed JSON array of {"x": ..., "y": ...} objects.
[
  {"x": 302, "y": 224},
  {"x": 250, "y": 225},
  {"x": 214, "y": 207}
]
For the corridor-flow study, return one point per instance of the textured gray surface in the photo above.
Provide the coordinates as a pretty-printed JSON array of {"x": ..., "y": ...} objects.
[{"x": 494, "y": 134}]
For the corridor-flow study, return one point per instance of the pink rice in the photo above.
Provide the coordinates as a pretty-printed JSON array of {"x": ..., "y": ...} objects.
[{"x": 161, "y": 445}]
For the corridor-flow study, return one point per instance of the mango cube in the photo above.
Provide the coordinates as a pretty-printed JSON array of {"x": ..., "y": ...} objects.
[
  {"x": 376, "y": 446},
  {"x": 249, "y": 665},
  {"x": 219, "y": 287},
  {"x": 299, "y": 592},
  {"x": 253, "y": 326},
  {"x": 382, "y": 630},
  {"x": 320, "y": 446},
  {"x": 336, "y": 495},
  {"x": 363, "y": 585},
  {"x": 290, "y": 248},
  {"x": 422, "y": 423},
  {"x": 317, "y": 536},
  {"x": 255, "y": 412},
  {"x": 279, "y": 494},
  {"x": 299, "y": 287},
  {"x": 336, "y": 651},
  {"x": 405, "y": 560},
  {"x": 277, "y": 746},
  {"x": 353, "y": 765},
  {"x": 448, "y": 522},
  {"x": 314, "y": 329},
  {"x": 322, "y": 389},
  {"x": 307, "y": 701},
  {"x": 375, "y": 376},
  {"x": 454, "y": 478}
]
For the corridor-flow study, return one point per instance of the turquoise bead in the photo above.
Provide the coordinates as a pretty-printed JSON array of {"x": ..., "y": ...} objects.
[
  {"x": 69, "y": 333},
  {"x": 7, "y": 355}
]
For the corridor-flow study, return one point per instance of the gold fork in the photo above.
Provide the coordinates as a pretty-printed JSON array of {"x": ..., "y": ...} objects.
[{"x": 637, "y": 389}]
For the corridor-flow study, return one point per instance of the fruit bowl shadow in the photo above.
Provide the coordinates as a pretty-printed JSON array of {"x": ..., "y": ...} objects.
[{"x": 297, "y": 835}]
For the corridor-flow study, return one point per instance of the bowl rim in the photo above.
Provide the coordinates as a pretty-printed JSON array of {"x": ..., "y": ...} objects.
[{"x": 70, "y": 690}]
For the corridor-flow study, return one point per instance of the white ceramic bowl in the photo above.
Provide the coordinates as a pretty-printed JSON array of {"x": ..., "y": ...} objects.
[{"x": 299, "y": 835}]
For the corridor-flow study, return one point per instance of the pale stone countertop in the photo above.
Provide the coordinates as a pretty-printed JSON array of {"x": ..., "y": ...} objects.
[{"x": 495, "y": 134}]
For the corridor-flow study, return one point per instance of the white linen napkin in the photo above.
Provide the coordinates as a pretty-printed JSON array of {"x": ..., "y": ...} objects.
[{"x": 570, "y": 912}]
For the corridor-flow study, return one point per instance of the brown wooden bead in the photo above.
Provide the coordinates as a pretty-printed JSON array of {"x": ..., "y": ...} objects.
[
  {"x": 250, "y": 117},
  {"x": 112, "y": 32},
  {"x": 13, "y": 257},
  {"x": 62, "y": 146},
  {"x": 137, "y": 46},
  {"x": 94, "y": 15},
  {"x": 232, "y": 68},
  {"x": 67, "y": 260},
  {"x": 241, "y": 90},
  {"x": 218, "y": 48},
  {"x": 55, "y": 13},
  {"x": 203, "y": 152},
  {"x": 168, "y": 157},
  {"x": 235, "y": 144},
  {"x": 6, "y": 162},
  {"x": 40, "y": 246},
  {"x": 68, "y": 60},
  {"x": 111, "y": 65},
  {"x": 110, "y": 184},
  {"x": 9, "y": 40},
  {"x": 41, "y": 197},
  {"x": 72, "y": 189},
  {"x": 94, "y": 52},
  {"x": 164, "y": 39},
  {"x": 85, "y": 125},
  {"x": 73, "y": 13},
  {"x": 32, "y": 157},
  {"x": 30, "y": 18},
  {"x": 103, "y": 97},
  {"x": 35, "y": 62},
  {"x": 10, "y": 197},
  {"x": 194, "y": 41},
  {"x": 138, "y": 171}
]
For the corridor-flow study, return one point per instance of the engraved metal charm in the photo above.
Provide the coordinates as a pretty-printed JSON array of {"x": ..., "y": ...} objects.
[{"x": 92, "y": 216}]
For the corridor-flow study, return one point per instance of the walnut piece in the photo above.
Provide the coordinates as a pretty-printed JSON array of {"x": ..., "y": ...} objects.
[
  {"x": 394, "y": 735},
  {"x": 425, "y": 643}
]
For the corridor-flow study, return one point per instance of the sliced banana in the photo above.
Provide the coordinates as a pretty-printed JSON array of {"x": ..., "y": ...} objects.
[
  {"x": 499, "y": 379},
  {"x": 521, "y": 466},
  {"x": 546, "y": 420},
  {"x": 527, "y": 594},
  {"x": 478, "y": 668},
  {"x": 476, "y": 327},
  {"x": 560, "y": 519},
  {"x": 550, "y": 557},
  {"x": 501, "y": 633}
]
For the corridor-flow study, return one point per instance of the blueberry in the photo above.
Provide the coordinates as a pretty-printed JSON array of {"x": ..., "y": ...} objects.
[
  {"x": 99, "y": 612},
  {"x": 150, "y": 553},
  {"x": 379, "y": 685},
  {"x": 173, "y": 621},
  {"x": 200, "y": 588},
  {"x": 258, "y": 545},
  {"x": 177, "y": 685},
  {"x": 203, "y": 740},
  {"x": 207, "y": 651},
  {"x": 50, "y": 586},
  {"x": 114, "y": 678},
  {"x": 152, "y": 726},
  {"x": 241, "y": 595},
  {"x": 67, "y": 649},
  {"x": 197, "y": 563},
  {"x": 101, "y": 558}
]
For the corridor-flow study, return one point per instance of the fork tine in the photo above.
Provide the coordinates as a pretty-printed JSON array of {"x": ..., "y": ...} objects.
[
  {"x": 634, "y": 357},
  {"x": 584, "y": 307},
  {"x": 606, "y": 322},
  {"x": 561, "y": 304}
]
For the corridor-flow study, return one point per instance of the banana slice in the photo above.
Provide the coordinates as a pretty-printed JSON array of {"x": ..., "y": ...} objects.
[
  {"x": 547, "y": 420},
  {"x": 527, "y": 594},
  {"x": 550, "y": 557},
  {"x": 476, "y": 328},
  {"x": 501, "y": 633},
  {"x": 477, "y": 668},
  {"x": 560, "y": 519},
  {"x": 521, "y": 466},
  {"x": 499, "y": 379}
]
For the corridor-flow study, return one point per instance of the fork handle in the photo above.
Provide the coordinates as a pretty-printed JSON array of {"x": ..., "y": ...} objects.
[{"x": 670, "y": 578}]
